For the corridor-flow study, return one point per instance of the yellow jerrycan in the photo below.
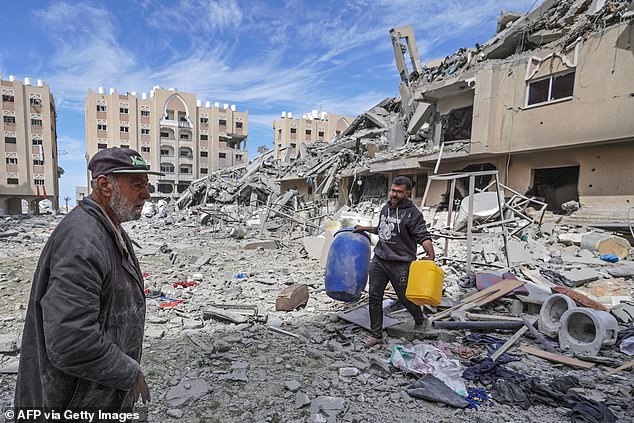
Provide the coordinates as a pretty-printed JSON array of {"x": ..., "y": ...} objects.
[{"x": 424, "y": 284}]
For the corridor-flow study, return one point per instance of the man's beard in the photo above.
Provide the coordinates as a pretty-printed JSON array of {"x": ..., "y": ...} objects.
[{"x": 122, "y": 208}]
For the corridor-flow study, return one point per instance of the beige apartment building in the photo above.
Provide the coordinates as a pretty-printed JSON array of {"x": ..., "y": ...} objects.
[
  {"x": 177, "y": 134},
  {"x": 28, "y": 126},
  {"x": 290, "y": 133}
]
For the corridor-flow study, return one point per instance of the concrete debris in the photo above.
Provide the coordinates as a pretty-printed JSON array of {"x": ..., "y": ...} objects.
[
  {"x": 9, "y": 344},
  {"x": 292, "y": 297},
  {"x": 185, "y": 391}
]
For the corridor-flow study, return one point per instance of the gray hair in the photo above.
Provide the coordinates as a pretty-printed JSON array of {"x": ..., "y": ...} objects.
[{"x": 111, "y": 178}]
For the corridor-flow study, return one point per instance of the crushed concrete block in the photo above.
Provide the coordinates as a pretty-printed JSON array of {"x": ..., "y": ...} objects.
[
  {"x": 606, "y": 244},
  {"x": 267, "y": 245},
  {"x": 582, "y": 276},
  {"x": 292, "y": 385},
  {"x": 9, "y": 343},
  {"x": 349, "y": 372},
  {"x": 326, "y": 403},
  {"x": 10, "y": 368},
  {"x": 301, "y": 400},
  {"x": 202, "y": 260},
  {"x": 154, "y": 333},
  {"x": 187, "y": 390},
  {"x": 569, "y": 238},
  {"x": 177, "y": 413}
]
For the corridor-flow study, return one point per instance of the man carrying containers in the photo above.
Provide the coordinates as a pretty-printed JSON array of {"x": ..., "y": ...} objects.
[{"x": 401, "y": 228}]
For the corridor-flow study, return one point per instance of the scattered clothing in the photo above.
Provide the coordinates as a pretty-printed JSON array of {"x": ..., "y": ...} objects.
[
  {"x": 488, "y": 371},
  {"x": 431, "y": 388},
  {"x": 511, "y": 393},
  {"x": 478, "y": 397}
]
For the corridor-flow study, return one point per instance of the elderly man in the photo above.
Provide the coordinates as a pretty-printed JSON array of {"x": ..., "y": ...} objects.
[
  {"x": 83, "y": 333},
  {"x": 401, "y": 228}
]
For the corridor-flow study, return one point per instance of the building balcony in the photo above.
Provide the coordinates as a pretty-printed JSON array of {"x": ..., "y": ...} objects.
[
  {"x": 169, "y": 122},
  {"x": 185, "y": 159},
  {"x": 185, "y": 177},
  {"x": 184, "y": 124}
]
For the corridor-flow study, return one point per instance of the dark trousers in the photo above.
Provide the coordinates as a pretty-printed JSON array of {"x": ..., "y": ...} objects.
[{"x": 395, "y": 272}]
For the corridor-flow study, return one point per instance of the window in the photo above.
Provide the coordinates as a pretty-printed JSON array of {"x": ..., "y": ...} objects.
[
  {"x": 293, "y": 145},
  {"x": 185, "y": 169},
  {"x": 320, "y": 133},
  {"x": 35, "y": 101},
  {"x": 123, "y": 110},
  {"x": 550, "y": 89},
  {"x": 101, "y": 107},
  {"x": 238, "y": 156},
  {"x": 204, "y": 137},
  {"x": 12, "y": 181},
  {"x": 204, "y": 120},
  {"x": 165, "y": 152},
  {"x": 38, "y": 181},
  {"x": 204, "y": 154},
  {"x": 222, "y": 155},
  {"x": 309, "y": 131},
  {"x": 12, "y": 160},
  {"x": 184, "y": 136},
  {"x": 203, "y": 170},
  {"x": 293, "y": 130},
  {"x": 165, "y": 135},
  {"x": 145, "y": 149},
  {"x": 239, "y": 125},
  {"x": 36, "y": 122},
  {"x": 38, "y": 162},
  {"x": 185, "y": 153},
  {"x": 102, "y": 146},
  {"x": 9, "y": 119},
  {"x": 145, "y": 131},
  {"x": 8, "y": 97},
  {"x": 101, "y": 127},
  {"x": 124, "y": 128},
  {"x": 222, "y": 122},
  {"x": 37, "y": 142},
  {"x": 145, "y": 113},
  {"x": 9, "y": 140},
  {"x": 167, "y": 168}
]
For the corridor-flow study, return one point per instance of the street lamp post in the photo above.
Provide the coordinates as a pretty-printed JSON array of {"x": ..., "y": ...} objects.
[{"x": 66, "y": 199}]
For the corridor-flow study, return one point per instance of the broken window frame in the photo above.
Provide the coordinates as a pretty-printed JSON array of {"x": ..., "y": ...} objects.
[{"x": 551, "y": 79}]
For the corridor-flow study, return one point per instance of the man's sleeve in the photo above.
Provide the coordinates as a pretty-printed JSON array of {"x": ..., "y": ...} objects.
[
  {"x": 419, "y": 229},
  {"x": 70, "y": 311}
]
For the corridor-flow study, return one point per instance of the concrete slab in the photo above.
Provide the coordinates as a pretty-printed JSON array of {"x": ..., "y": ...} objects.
[
  {"x": 582, "y": 276},
  {"x": 360, "y": 316},
  {"x": 267, "y": 245}
]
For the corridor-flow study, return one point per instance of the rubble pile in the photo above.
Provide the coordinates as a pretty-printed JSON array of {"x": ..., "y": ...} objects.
[
  {"x": 220, "y": 344},
  {"x": 553, "y": 23}
]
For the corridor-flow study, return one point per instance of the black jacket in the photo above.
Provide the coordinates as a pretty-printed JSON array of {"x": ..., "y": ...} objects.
[
  {"x": 83, "y": 332},
  {"x": 400, "y": 230}
]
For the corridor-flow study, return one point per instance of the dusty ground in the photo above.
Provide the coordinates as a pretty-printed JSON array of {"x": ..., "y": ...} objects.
[{"x": 209, "y": 371}]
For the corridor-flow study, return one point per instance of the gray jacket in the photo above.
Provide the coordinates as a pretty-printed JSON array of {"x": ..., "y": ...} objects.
[{"x": 83, "y": 333}]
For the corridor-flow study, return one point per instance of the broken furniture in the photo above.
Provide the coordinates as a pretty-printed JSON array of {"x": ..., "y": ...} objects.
[
  {"x": 447, "y": 231},
  {"x": 292, "y": 297}
]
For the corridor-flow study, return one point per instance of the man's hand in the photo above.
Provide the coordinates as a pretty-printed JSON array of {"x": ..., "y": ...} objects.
[
  {"x": 141, "y": 389},
  {"x": 359, "y": 229}
]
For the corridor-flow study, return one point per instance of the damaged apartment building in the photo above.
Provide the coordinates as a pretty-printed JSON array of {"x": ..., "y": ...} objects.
[{"x": 548, "y": 102}]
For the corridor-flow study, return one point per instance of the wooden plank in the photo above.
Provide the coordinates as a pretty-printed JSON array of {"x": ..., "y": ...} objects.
[
  {"x": 623, "y": 367},
  {"x": 513, "y": 339},
  {"x": 483, "y": 297},
  {"x": 485, "y": 317},
  {"x": 557, "y": 358}
]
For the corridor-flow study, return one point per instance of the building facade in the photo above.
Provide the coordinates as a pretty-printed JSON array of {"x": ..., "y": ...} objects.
[
  {"x": 290, "y": 133},
  {"x": 28, "y": 126},
  {"x": 176, "y": 134},
  {"x": 555, "y": 120}
]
